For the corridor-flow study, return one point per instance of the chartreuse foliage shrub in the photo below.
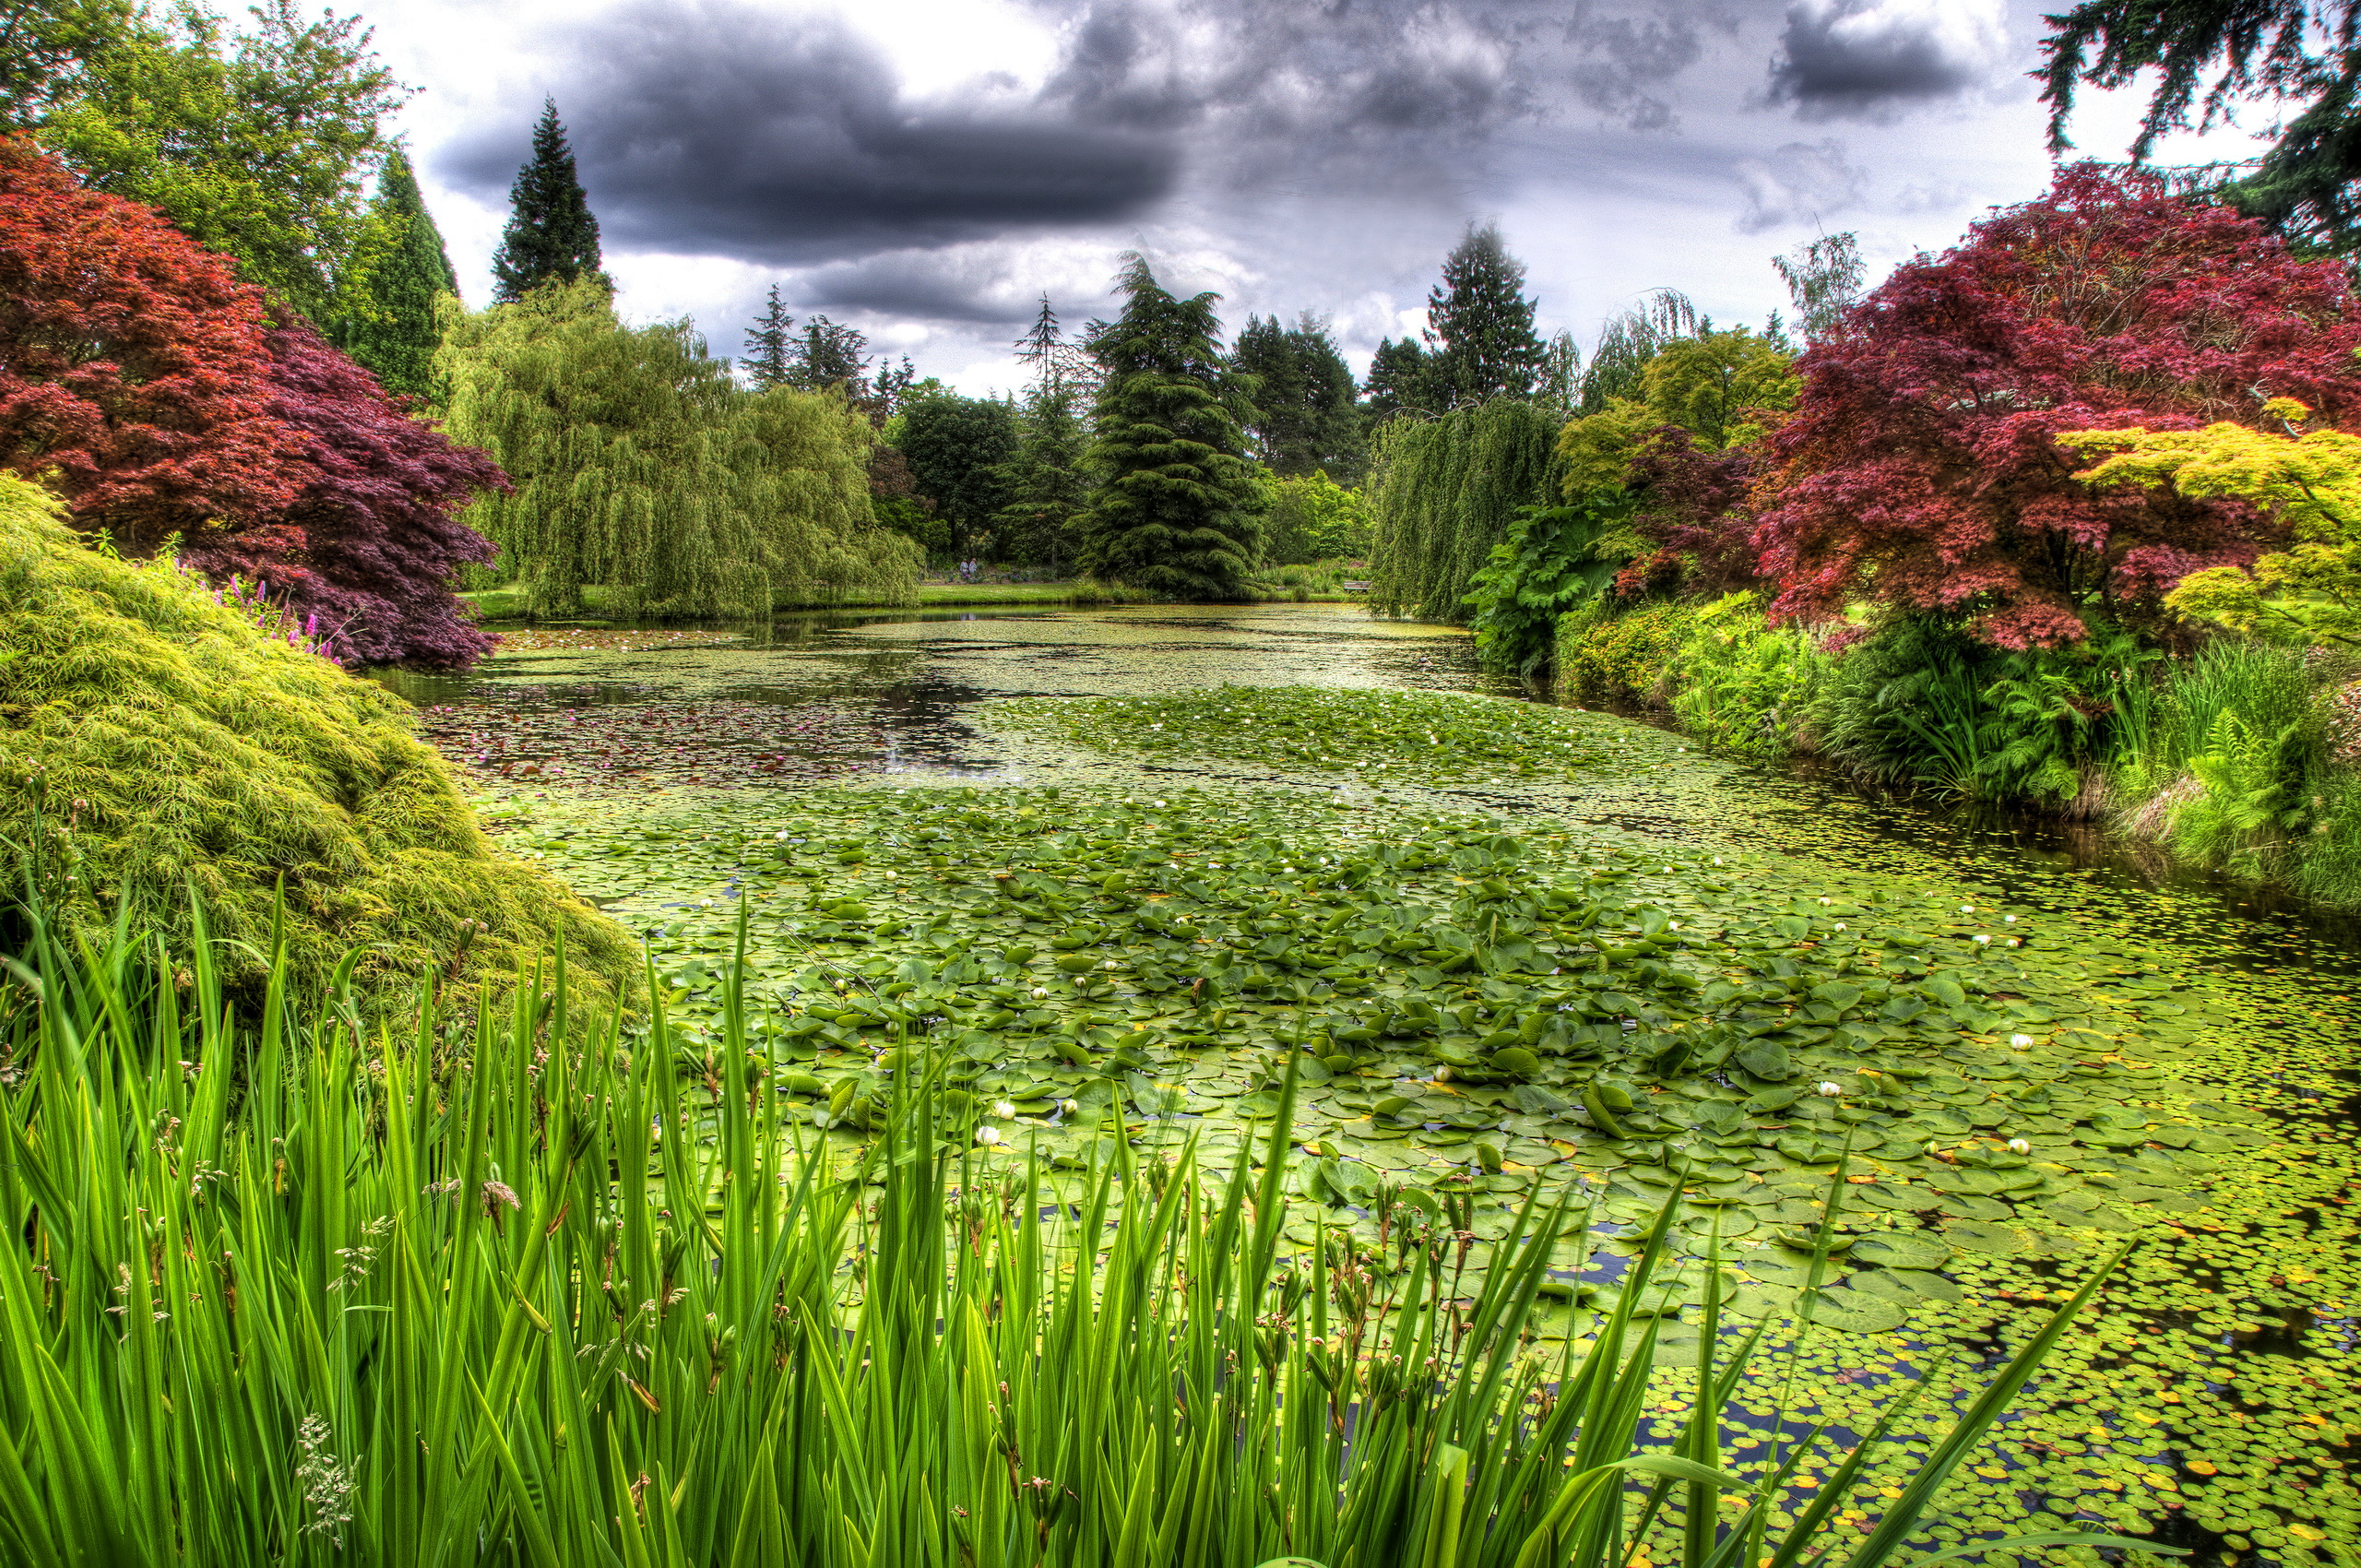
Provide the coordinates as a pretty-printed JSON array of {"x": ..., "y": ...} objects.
[
  {"x": 1734, "y": 681},
  {"x": 154, "y": 744},
  {"x": 575, "y": 1299}
]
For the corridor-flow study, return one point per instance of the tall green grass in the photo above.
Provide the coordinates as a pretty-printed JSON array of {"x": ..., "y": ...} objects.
[{"x": 539, "y": 1292}]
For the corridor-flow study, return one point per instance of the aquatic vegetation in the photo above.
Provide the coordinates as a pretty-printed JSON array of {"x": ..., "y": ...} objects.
[
  {"x": 583, "y": 1297},
  {"x": 1372, "y": 735},
  {"x": 156, "y": 747},
  {"x": 629, "y": 747}
]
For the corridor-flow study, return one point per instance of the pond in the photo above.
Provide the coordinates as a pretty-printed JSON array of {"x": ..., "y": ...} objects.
[{"x": 1508, "y": 944}]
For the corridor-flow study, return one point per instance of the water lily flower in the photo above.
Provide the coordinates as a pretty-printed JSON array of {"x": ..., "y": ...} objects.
[
  {"x": 1824, "y": 903},
  {"x": 1982, "y": 940},
  {"x": 2020, "y": 1042},
  {"x": 1039, "y": 993},
  {"x": 1717, "y": 859},
  {"x": 2012, "y": 942},
  {"x": 2010, "y": 919},
  {"x": 2020, "y": 1145},
  {"x": 1004, "y": 1109},
  {"x": 1111, "y": 964},
  {"x": 782, "y": 836},
  {"x": 1831, "y": 1090},
  {"x": 1967, "y": 909},
  {"x": 1068, "y": 1107},
  {"x": 1840, "y": 925},
  {"x": 987, "y": 1134}
]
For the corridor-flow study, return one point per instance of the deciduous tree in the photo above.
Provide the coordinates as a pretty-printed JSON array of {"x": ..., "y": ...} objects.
[
  {"x": 1922, "y": 467},
  {"x": 959, "y": 451}
]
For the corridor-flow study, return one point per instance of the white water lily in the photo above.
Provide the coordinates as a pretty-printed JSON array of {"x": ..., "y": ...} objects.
[
  {"x": 1831, "y": 1090},
  {"x": 1717, "y": 859},
  {"x": 2020, "y": 1145},
  {"x": 1982, "y": 940},
  {"x": 1005, "y": 1110},
  {"x": 2020, "y": 1042},
  {"x": 1840, "y": 925},
  {"x": 1111, "y": 964},
  {"x": 782, "y": 836},
  {"x": 1967, "y": 909},
  {"x": 1068, "y": 1107},
  {"x": 1039, "y": 995},
  {"x": 1825, "y": 902},
  {"x": 2012, "y": 942},
  {"x": 2011, "y": 920},
  {"x": 987, "y": 1134}
]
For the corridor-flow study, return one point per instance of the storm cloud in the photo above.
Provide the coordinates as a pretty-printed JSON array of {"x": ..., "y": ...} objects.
[
  {"x": 719, "y": 130},
  {"x": 1869, "y": 59}
]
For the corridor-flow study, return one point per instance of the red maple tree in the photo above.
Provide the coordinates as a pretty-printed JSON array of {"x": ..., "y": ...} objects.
[
  {"x": 163, "y": 397},
  {"x": 134, "y": 376},
  {"x": 1692, "y": 511},
  {"x": 1920, "y": 467}
]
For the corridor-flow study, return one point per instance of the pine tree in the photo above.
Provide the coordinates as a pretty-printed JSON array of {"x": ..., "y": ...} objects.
[
  {"x": 766, "y": 360},
  {"x": 1178, "y": 511},
  {"x": 1479, "y": 325},
  {"x": 550, "y": 234},
  {"x": 399, "y": 336}
]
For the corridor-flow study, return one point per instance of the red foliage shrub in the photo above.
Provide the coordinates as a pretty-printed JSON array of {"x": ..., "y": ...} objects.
[
  {"x": 134, "y": 378},
  {"x": 1692, "y": 509},
  {"x": 373, "y": 544},
  {"x": 1920, "y": 466},
  {"x": 159, "y": 396}
]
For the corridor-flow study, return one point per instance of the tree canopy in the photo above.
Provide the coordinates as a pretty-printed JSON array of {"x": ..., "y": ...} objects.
[
  {"x": 1923, "y": 469},
  {"x": 1445, "y": 491},
  {"x": 1178, "y": 510},
  {"x": 258, "y": 144},
  {"x": 639, "y": 464},
  {"x": 551, "y": 236},
  {"x": 1305, "y": 416},
  {"x": 396, "y": 330},
  {"x": 959, "y": 451}
]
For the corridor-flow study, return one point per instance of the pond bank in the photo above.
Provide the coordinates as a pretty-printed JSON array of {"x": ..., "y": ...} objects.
[{"x": 2186, "y": 1084}]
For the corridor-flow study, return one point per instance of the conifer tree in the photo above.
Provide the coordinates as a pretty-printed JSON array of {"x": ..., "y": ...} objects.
[
  {"x": 1400, "y": 380},
  {"x": 1305, "y": 419},
  {"x": 1044, "y": 481},
  {"x": 1178, "y": 509},
  {"x": 1479, "y": 325},
  {"x": 397, "y": 335},
  {"x": 551, "y": 236},
  {"x": 767, "y": 359}
]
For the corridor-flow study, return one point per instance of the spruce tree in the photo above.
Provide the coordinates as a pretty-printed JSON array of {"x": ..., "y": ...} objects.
[
  {"x": 1400, "y": 380},
  {"x": 1479, "y": 325},
  {"x": 551, "y": 236},
  {"x": 399, "y": 336},
  {"x": 1044, "y": 481},
  {"x": 1178, "y": 509},
  {"x": 766, "y": 361}
]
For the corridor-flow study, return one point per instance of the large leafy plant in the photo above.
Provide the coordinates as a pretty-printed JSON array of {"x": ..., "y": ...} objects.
[{"x": 1553, "y": 559}]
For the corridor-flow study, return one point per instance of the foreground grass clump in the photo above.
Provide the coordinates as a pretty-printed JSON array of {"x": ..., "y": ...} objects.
[
  {"x": 596, "y": 1304},
  {"x": 153, "y": 741},
  {"x": 1375, "y": 736}
]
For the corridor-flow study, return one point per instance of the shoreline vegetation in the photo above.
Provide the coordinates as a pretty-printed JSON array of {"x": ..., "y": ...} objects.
[{"x": 496, "y": 606}]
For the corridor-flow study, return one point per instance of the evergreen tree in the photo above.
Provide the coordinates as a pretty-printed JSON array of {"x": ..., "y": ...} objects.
[
  {"x": 398, "y": 333},
  {"x": 1479, "y": 325},
  {"x": 1305, "y": 417},
  {"x": 1400, "y": 380},
  {"x": 1178, "y": 511},
  {"x": 550, "y": 234},
  {"x": 829, "y": 354},
  {"x": 1044, "y": 481},
  {"x": 766, "y": 360}
]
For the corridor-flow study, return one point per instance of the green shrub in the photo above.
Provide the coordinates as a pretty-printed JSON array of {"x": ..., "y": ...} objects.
[
  {"x": 1621, "y": 656},
  {"x": 155, "y": 746},
  {"x": 1553, "y": 559},
  {"x": 1743, "y": 685},
  {"x": 2250, "y": 799}
]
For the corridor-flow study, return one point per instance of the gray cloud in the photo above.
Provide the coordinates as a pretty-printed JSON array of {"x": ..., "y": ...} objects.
[
  {"x": 721, "y": 131},
  {"x": 1798, "y": 180},
  {"x": 1869, "y": 59},
  {"x": 957, "y": 286}
]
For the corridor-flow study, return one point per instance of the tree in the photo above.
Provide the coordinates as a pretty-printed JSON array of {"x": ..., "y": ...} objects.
[
  {"x": 1177, "y": 508},
  {"x": 1922, "y": 467},
  {"x": 1824, "y": 278},
  {"x": 1311, "y": 517},
  {"x": 260, "y": 145},
  {"x": 551, "y": 236},
  {"x": 1628, "y": 342},
  {"x": 959, "y": 451},
  {"x": 827, "y": 354},
  {"x": 1479, "y": 325},
  {"x": 640, "y": 465},
  {"x": 1305, "y": 416},
  {"x": 1443, "y": 492},
  {"x": 372, "y": 547},
  {"x": 2304, "y": 51},
  {"x": 1047, "y": 488},
  {"x": 2309, "y": 480},
  {"x": 766, "y": 361},
  {"x": 1560, "y": 388},
  {"x": 1400, "y": 380},
  {"x": 135, "y": 368},
  {"x": 398, "y": 331},
  {"x": 257, "y": 448}
]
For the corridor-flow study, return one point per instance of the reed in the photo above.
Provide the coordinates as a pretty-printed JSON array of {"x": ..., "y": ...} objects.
[{"x": 542, "y": 1291}]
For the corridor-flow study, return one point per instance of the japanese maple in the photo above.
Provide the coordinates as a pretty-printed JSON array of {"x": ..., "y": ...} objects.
[{"x": 1922, "y": 468}]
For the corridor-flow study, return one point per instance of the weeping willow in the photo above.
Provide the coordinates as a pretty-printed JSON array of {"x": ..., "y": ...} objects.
[
  {"x": 1443, "y": 492},
  {"x": 640, "y": 466}
]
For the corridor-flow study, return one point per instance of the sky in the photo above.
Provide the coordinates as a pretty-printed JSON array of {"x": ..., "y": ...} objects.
[{"x": 927, "y": 170}]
